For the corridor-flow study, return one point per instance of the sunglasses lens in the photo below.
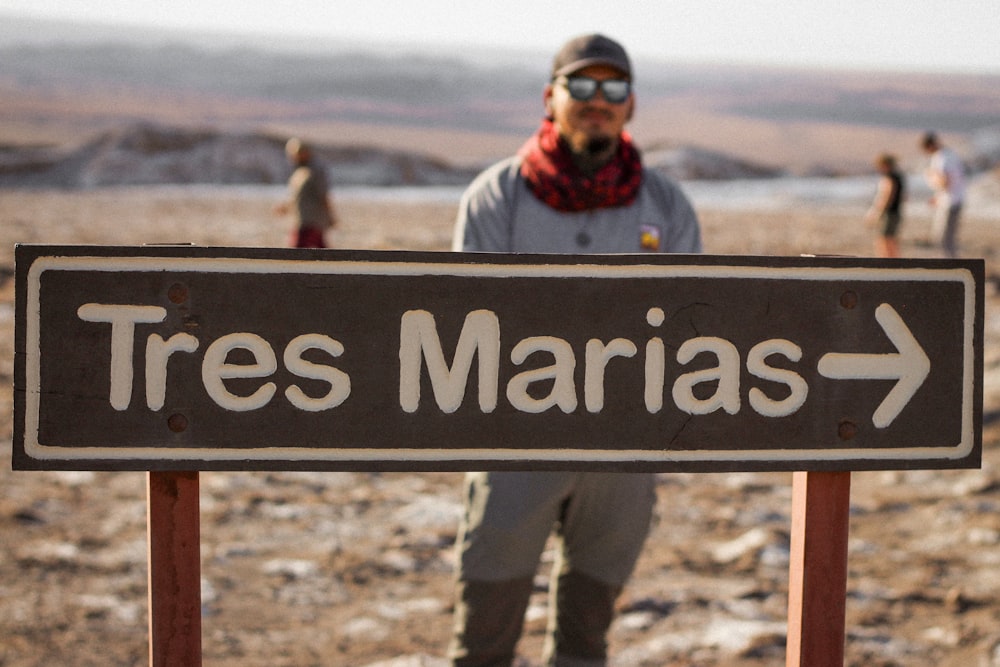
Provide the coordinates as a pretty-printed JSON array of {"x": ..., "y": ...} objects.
[
  {"x": 615, "y": 90},
  {"x": 581, "y": 88}
]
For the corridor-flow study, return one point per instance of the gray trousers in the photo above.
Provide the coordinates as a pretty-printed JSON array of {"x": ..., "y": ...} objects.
[
  {"x": 945, "y": 228},
  {"x": 601, "y": 520}
]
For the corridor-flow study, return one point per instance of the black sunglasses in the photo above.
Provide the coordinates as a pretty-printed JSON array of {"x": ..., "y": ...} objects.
[{"x": 583, "y": 88}]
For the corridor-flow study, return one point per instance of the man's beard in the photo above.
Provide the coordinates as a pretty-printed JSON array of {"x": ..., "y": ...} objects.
[{"x": 597, "y": 146}]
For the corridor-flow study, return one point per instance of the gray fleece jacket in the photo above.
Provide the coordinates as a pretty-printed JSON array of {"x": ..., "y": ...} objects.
[{"x": 498, "y": 213}]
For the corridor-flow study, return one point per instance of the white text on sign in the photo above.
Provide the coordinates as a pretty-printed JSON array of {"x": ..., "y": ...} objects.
[{"x": 420, "y": 347}]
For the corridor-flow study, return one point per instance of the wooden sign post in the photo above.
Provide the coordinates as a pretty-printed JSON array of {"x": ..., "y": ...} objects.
[
  {"x": 179, "y": 359},
  {"x": 174, "y": 569},
  {"x": 817, "y": 574}
]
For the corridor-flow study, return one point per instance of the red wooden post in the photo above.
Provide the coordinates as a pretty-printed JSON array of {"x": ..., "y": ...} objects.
[
  {"x": 174, "y": 569},
  {"x": 817, "y": 582}
]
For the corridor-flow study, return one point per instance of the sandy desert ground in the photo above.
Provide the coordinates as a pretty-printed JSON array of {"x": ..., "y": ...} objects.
[{"x": 354, "y": 569}]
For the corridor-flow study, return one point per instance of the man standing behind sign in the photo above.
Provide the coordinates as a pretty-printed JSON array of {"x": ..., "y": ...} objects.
[{"x": 577, "y": 186}]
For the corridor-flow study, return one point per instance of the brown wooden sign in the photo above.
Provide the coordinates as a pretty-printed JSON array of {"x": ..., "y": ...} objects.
[{"x": 186, "y": 358}]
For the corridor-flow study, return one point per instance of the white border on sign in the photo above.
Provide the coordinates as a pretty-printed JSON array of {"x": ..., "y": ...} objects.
[{"x": 40, "y": 451}]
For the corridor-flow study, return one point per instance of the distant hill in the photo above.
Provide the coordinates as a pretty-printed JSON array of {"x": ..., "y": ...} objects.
[
  {"x": 468, "y": 108},
  {"x": 147, "y": 154}
]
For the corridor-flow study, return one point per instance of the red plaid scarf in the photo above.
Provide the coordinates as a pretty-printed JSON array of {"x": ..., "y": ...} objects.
[{"x": 555, "y": 179}]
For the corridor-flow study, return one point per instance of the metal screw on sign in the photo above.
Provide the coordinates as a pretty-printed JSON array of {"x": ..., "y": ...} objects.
[
  {"x": 177, "y": 423},
  {"x": 847, "y": 429},
  {"x": 177, "y": 293}
]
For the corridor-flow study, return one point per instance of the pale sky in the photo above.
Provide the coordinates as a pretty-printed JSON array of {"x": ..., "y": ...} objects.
[{"x": 959, "y": 35}]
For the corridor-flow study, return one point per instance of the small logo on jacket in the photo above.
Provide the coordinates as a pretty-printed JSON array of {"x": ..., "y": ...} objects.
[{"x": 649, "y": 238}]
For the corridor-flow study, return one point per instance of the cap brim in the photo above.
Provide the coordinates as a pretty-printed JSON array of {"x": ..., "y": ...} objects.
[{"x": 578, "y": 65}]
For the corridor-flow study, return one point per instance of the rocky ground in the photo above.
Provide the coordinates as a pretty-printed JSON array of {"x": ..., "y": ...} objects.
[{"x": 354, "y": 569}]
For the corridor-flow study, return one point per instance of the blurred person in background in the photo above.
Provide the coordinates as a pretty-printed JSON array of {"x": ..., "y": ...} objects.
[
  {"x": 887, "y": 208},
  {"x": 309, "y": 198},
  {"x": 946, "y": 176}
]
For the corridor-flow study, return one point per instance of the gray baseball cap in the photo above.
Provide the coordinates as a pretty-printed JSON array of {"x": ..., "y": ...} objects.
[{"x": 588, "y": 50}]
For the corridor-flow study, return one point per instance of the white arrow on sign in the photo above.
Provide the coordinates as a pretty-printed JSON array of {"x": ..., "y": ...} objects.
[{"x": 909, "y": 366}]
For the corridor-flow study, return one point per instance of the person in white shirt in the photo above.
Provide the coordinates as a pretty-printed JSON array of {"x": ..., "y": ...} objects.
[{"x": 946, "y": 176}]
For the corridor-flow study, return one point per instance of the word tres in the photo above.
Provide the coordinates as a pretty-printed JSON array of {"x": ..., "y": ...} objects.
[
  {"x": 420, "y": 348},
  {"x": 214, "y": 367}
]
